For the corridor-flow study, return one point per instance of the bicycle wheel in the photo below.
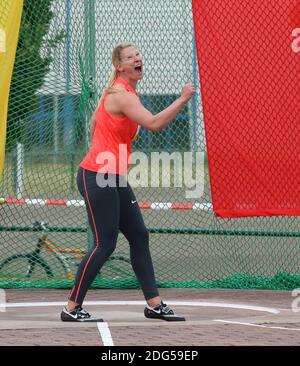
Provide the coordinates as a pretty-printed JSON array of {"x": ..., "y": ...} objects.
[
  {"x": 23, "y": 266},
  {"x": 117, "y": 266}
]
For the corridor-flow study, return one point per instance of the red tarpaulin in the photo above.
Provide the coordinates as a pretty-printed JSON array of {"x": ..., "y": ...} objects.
[{"x": 249, "y": 64}]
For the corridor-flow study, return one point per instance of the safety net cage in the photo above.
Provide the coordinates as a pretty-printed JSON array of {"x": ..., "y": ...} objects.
[{"x": 61, "y": 67}]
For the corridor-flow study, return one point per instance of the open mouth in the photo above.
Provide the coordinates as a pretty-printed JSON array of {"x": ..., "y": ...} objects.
[{"x": 138, "y": 69}]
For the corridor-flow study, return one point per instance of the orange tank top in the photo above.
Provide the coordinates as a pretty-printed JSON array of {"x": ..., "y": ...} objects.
[{"x": 112, "y": 140}]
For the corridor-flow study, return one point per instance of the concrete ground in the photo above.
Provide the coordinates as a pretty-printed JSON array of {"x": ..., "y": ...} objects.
[{"x": 30, "y": 317}]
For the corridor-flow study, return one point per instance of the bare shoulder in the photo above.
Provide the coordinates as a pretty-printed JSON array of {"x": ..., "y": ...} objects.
[
  {"x": 119, "y": 88},
  {"x": 115, "y": 101},
  {"x": 120, "y": 95}
]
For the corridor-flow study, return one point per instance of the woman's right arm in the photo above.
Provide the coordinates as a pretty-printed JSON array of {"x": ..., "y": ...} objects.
[{"x": 130, "y": 105}]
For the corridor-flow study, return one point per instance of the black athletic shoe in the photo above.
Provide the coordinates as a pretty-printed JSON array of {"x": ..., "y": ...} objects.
[
  {"x": 164, "y": 312},
  {"x": 77, "y": 315}
]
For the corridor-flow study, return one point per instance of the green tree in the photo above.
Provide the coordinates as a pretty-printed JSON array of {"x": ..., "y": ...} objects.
[{"x": 33, "y": 59}]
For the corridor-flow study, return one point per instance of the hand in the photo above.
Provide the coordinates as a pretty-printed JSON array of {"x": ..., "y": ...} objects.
[{"x": 188, "y": 91}]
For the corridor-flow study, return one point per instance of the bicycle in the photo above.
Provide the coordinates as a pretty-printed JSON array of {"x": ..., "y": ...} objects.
[{"x": 68, "y": 259}]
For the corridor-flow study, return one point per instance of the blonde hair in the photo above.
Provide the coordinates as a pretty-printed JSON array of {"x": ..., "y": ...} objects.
[{"x": 116, "y": 61}]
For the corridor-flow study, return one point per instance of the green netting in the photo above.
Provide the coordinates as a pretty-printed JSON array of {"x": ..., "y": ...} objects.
[{"x": 62, "y": 66}]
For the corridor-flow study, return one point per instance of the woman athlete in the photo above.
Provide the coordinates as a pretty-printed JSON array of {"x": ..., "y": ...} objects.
[{"x": 113, "y": 207}]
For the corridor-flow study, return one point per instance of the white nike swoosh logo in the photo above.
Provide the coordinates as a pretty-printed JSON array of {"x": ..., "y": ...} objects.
[
  {"x": 133, "y": 201},
  {"x": 73, "y": 316},
  {"x": 156, "y": 311}
]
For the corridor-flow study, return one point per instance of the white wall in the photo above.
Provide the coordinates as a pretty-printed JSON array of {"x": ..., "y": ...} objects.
[{"x": 163, "y": 30}]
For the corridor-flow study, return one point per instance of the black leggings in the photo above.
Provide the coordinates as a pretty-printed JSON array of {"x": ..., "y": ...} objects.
[{"x": 111, "y": 209}]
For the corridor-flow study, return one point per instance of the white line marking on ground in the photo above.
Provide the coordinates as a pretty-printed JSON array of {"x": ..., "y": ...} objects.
[
  {"x": 253, "y": 325},
  {"x": 176, "y": 303},
  {"x": 2, "y": 301},
  {"x": 105, "y": 334}
]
